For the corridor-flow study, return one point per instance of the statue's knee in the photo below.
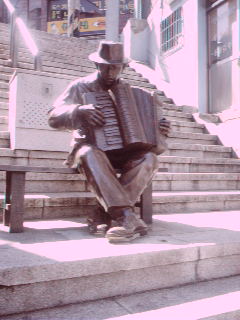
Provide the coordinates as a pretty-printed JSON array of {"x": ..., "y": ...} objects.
[
  {"x": 84, "y": 153},
  {"x": 151, "y": 161}
]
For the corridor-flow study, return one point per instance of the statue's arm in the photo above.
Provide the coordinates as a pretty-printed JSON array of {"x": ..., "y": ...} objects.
[
  {"x": 69, "y": 112},
  {"x": 64, "y": 113}
]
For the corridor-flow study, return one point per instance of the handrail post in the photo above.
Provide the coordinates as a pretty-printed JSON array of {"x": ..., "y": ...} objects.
[
  {"x": 37, "y": 63},
  {"x": 13, "y": 40}
]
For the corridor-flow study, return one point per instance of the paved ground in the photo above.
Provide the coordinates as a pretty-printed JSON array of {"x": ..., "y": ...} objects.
[{"x": 51, "y": 242}]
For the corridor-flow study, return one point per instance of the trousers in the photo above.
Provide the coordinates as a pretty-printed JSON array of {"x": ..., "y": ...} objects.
[{"x": 112, "y": 190}]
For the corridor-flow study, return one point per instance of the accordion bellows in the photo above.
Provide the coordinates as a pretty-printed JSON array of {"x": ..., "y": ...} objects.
[{"x": 130, "y": 120}]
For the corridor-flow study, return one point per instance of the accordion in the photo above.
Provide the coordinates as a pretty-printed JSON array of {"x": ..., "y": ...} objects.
[{"x": 130, "y": 120}]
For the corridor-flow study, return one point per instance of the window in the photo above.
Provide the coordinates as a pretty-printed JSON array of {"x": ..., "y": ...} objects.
[{"x": 172, "y": 31}]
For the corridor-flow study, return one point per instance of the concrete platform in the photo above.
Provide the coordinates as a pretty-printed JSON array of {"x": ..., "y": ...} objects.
[
  {"x": 56, "y": 263},
  {"x": 210, "y": 300}
]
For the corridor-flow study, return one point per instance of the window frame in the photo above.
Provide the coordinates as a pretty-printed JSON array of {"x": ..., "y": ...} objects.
[{"x": 172, "y": 32}]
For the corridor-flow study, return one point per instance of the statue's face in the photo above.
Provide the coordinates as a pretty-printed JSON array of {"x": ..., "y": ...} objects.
[{"x": 109, "y": 73}]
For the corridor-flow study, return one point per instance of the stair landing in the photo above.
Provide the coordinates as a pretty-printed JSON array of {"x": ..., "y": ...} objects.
[{"x": 56, "y": 263}]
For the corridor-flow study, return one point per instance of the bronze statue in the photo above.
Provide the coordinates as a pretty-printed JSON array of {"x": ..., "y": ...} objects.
[{"x": 114, "y": 130}]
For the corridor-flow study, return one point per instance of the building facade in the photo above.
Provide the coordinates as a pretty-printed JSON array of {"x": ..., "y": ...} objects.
[{"x": 194, "y": 48}]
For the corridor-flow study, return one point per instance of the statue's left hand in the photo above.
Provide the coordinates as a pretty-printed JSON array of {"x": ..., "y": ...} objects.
[{"x": 164, "y": 126}]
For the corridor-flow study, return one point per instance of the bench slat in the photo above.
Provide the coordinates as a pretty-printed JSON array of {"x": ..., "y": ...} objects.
[
  {"x": 15, "y": 188},
  {"x": 16, "y": 168}
]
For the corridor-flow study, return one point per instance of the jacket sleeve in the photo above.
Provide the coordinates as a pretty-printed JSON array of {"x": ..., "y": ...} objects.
[{"x": 64, "y": 113}]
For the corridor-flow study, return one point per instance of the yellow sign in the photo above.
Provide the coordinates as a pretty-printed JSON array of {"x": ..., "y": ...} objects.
[
  {"x": 92, "y": 24},
  {"x": 86, "y": 25},
  {"x": 58, "y": 27}
]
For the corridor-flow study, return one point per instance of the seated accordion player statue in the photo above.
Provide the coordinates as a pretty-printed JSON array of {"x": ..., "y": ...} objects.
[
  {"x": 131, "y": 122},
  {"x": 117, "y": 135}
]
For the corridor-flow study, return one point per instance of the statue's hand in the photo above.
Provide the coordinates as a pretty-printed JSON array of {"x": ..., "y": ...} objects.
[
  {"x": 91, "y": 114},
  {"x": 164, "y": 126}
]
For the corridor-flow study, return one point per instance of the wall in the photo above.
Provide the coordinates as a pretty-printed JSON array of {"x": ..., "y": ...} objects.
[
  {"x": 236, "y": 70},
  {"x": 135, "y": 37},
  {"x": 179, "y": 73}
]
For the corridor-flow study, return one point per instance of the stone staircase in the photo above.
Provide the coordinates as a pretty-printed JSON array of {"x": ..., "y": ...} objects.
[{"x": 49, "y": 264}]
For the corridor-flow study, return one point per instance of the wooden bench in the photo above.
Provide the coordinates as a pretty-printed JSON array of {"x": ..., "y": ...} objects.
[{"x": 13, "y": 209}]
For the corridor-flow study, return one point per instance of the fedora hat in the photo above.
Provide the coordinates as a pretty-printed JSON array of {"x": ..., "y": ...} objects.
[{"x": 109, "y": 53}]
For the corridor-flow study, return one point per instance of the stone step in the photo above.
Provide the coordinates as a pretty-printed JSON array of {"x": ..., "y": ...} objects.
[
  {"x": 198, "y": 150},
  {"x": 186, "y": 201},
  {"x": 50, "y": 182},
  {"x": 4, "y": 105},
  {"x": 43, "y": 39},
  {"x": 50, "y": 205},
  {"x": 4, "y": 139},
  {"x": 46, "y": 39},
  {"x": 82, "y": 71},
  {"x": 175, "y": 149},
  {"x": 52, "y": 42},
  {"x": 211, "y": 300},
  {"x": 196, "y": 181},
  {"x": 47, "y": 266},
  {"x": 185, "y": 126},
  {"x": 4, "y": 95},
  {"x": 194, "y": 138},
  {"x": 4, "y": 54},
  {"x": 165, "y": 100},
  {"x": 4, "y": 86},
  {"x": 55, "y": 183},
  {"x": 71, "y": 75},
  {"x": 172, "y": 163},
  {"x": 5, "y": 69},
  {"x": 4, "y": 143},
  {"x": 3, "y": 123},
  {"x": 5, "y": 63},
  {"x": 3, "y": 108},
  {"x": 44, "y": 50},
  {"x": 58, "y": 57},
  {"x": 4, "y": 49},
  {"x": 173, "y": 115},
  {"x": 173, "y": 107},
  {"x": 71, "y": 56},
  {"x": 31, "y": 157},
  {"x": 68, "y": 62},
  {"x": 4, "y": 134},
  {"x": 5, "y": 77},
  {"x": 198, "y": 165}
]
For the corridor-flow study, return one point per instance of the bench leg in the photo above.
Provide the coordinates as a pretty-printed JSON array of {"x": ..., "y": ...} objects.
[
  {"x": 7, "y": 200},
  {"x": 146, "y": 205},
  {"x": 14, "y": 201}
]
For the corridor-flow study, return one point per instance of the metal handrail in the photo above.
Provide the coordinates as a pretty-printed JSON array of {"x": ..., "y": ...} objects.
[{"x": 16, "y": 21}]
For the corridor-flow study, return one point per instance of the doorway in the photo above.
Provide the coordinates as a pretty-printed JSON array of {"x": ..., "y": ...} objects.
[{"x": 221, "y": 20}]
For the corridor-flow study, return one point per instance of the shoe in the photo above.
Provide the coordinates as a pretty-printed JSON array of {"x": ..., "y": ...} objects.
[
  {"x": 98, "y": 222},
  {"x": 129, "y": 228}
]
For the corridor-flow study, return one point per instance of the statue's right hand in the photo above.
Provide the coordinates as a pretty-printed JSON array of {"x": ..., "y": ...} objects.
[{"x": 91, "y": 114}]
